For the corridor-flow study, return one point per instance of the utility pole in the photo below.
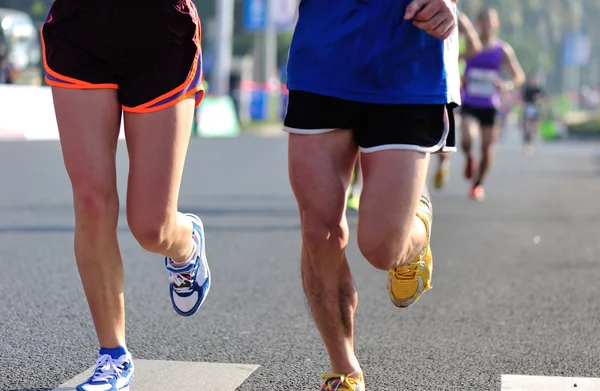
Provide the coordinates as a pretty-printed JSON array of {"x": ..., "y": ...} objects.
[
  {"x": 224, "y": 46},
  {"x": 270, "y": 51}
]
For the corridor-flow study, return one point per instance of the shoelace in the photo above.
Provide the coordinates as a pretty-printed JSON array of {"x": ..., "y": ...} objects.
[
  {"x": 408, "y": 272},
  {"x": 178, "y": 279},
  {"x": 106, "y": 369},
  {"x": 340, "y": 382}
]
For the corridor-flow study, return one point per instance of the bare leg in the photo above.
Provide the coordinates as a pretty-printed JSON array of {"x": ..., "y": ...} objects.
[
  {"x": 320, "y": 167},
  {"x": 468, "y": 128},
  {"x": 88, "y": 122},
  {"x": 390, "y": 234},
  {"x": 489, "y": 136},
  {"x": 157, "y": 144}
]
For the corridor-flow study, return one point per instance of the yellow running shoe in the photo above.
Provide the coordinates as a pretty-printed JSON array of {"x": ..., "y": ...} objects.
[
  {"x": 440, "y": 178},
  {"x": 407, "y": 283},
  {"x": 337, "y": 382}
]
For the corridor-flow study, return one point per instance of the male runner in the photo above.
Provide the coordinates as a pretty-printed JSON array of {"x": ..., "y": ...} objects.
[
  {"x": 472, "y": 46},
  {"x": 533, "y": 96},
  {"x": 377, "y": 78},
  {"x": 482, "y": 89},
  {"x": 143, "y": 58}
]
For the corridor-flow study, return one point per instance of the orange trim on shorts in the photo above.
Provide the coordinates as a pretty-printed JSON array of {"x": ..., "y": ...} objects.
[
  {"x": 185, "y": 96},
  {"x": 65, "y": 81},
  {"x": 147, "y": 107}
]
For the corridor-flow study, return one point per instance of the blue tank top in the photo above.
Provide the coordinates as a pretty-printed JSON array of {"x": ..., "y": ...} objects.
[
  {"x": 364, "y": 50},
  {"x": 481, "y": 75}
]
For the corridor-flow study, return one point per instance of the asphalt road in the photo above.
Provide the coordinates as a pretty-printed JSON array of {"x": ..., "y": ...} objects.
[{"x": 515, "y": 281}]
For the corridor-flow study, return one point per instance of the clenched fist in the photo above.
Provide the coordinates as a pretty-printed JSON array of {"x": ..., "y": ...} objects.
[{"x": 436, "y": 17}]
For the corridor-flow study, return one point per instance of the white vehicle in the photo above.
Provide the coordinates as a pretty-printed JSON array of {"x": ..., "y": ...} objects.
[{"x": 24, "y": 52}]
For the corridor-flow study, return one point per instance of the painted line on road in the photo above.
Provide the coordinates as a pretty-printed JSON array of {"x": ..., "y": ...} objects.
[
  {"x": 156, "y": 375},
  {"x": 549, "y": 383}
]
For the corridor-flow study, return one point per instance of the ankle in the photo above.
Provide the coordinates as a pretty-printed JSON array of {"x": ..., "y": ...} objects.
[{"x": 347, "y": 367}]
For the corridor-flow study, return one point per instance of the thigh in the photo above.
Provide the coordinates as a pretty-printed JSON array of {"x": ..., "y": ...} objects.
[
  {"x": 163, "y": 65},
  {"x": 490, "y": 131},
  {"x": 489, "y": 135},
  {"x": 394, "y": 176},
  {"x": 157, "y": 143},
  {"x": 321, "y": 153},
  {"x": 393, "y": 181},
  {"x": 88, "y": 123},
  {"x": 470, "y": 121}
]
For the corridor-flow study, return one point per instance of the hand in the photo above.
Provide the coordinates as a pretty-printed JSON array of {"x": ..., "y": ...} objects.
[
  {"x": 504, "y": 86},
  {"x": 436, "y": 17}
]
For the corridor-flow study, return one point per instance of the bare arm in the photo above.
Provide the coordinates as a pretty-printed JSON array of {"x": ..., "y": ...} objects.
[
  {"x": 513, "y": 66},
  {"x": 474, "y": 45}
]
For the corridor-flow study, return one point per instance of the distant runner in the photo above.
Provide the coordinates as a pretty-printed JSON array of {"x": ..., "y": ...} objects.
[
  {"x": 533, "y": 97},
  {"x": 470, "y": 46},
  {"x": 482, "y": 91}
]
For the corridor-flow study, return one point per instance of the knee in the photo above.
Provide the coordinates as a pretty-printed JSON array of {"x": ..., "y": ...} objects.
[
  {"x": 151, "y": 230},
  {"x": 465, "y": 143},
  {"x": 382, "y": 251},
  {"x": 324, "y": 232},
  {"x": 94, "y": 199},
  {"x": 487, "y": 148}
]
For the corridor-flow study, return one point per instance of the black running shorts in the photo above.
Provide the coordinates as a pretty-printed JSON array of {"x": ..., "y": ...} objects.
[
  {"x": 486, "y": 116},
  {"x": 148, "y": 50},
  {"x": 424, "y": 128}
]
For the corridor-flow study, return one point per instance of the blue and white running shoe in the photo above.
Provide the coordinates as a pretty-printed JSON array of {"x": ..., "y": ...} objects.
[
  {"x": 190, "y": 284},
  {"x": 110, "y": 374}
]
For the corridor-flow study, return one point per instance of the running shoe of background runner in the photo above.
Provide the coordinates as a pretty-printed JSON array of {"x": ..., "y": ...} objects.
[
  {"x": 353, "y": 193},
  {"x": 440, "y": 178},
  {"x": 477, "y": 193},
  {"x": 187, "y": 294},
  {"x": 354, "y": 201},
  {"x": 407, "y": 283}
]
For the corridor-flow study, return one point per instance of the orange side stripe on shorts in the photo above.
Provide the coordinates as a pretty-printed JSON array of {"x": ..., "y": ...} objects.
[
  {"x": 71, "y": 86},
  {"x": 146, "y": 110}
]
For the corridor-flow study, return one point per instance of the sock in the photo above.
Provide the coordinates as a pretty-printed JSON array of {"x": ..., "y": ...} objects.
[
  {"x": 202, "y": 273},
  {"x": 114, "y": 353},
  {"x": 191, "y": 259}
]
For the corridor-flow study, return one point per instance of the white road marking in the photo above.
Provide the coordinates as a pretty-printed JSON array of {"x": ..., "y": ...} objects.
[
  {"x": 549, "y": 383},
  {"x": 151, "y": 375}
]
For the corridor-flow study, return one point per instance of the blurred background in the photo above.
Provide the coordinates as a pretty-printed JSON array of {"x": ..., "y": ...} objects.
[{"x": 245, "y": 45}]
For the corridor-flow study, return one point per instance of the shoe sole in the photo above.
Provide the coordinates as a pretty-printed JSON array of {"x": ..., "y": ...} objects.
[{"x": 126, "y": 388}]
